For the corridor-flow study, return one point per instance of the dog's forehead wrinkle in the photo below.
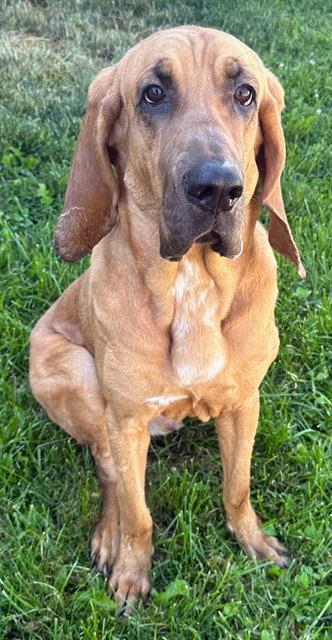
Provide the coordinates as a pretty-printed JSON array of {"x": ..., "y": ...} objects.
[{"x": 203, "y": 44}]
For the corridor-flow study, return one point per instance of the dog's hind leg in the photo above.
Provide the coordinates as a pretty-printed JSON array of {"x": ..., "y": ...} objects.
[{"x": 63, "y": 379}]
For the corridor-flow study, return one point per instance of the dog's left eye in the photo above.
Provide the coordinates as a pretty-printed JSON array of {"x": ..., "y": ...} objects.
[
  {"x": 244, "y": 95},
  {"x": 154, "y": 94}
]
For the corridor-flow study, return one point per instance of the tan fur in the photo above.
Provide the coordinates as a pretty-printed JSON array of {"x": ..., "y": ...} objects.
[{"x": 137, "y": 337}]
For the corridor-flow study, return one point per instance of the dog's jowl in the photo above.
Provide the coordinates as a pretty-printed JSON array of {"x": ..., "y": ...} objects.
[{"x": 180, "y": 146}]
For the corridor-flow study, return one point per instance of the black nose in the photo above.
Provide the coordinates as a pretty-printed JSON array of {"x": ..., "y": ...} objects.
[{"x": 213, "y": 185}]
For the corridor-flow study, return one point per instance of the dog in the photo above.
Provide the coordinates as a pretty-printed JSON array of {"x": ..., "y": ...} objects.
[{"x": 180, "y": 147}]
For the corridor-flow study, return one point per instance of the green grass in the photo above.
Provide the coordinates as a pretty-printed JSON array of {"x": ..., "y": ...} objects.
[{"x": 49, "y": 51}]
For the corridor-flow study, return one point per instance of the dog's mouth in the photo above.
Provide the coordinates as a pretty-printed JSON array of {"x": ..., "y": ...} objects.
[
  {"x": 209, "y": 238},
  {"x": 227, "y": 247},
  {"x": 219, "y": 245}
]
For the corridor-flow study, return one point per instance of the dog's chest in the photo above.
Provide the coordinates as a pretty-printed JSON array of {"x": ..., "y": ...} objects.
[{"x": 198, "y": 352}]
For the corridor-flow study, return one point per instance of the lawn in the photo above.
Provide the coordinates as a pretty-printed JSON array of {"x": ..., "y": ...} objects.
[{"x": 204, "y": 585}]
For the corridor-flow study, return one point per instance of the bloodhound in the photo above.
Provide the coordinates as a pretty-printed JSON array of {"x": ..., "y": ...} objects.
[{"x": 180, "y": 146}]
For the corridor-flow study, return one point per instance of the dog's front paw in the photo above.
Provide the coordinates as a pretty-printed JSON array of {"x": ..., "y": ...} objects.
[
  {"x": 258, "y": 545},
  {"x": 269, "y": 547},
  {"x": 128, "y": 582},
  {"x": 105, "y": 545}
]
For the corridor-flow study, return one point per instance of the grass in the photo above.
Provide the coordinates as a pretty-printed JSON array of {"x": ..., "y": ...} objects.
[{"x": 204, "y": 585}]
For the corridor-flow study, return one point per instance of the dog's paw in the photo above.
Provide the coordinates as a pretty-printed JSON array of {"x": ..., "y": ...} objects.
[
  {"x": 127, "y": 583},
  {"x": 260, "y": 546},
  {"x": 104, "y": 546},
  {"x": 268, "y": 547},
  {"x": 162, "y": 426}
]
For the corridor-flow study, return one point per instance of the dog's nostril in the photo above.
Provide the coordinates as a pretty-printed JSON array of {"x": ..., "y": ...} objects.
[
  {"x": 235, "y": 192},
  {"x": 202, "y": 193}
]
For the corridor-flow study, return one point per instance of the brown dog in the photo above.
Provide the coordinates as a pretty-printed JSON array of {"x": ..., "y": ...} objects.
[{"x": 175, "y": 316}]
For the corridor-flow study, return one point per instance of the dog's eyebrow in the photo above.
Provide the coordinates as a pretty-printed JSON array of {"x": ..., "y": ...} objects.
[
  {"x": 233, "y": 69},
  {"x": 162, "y": 70}
]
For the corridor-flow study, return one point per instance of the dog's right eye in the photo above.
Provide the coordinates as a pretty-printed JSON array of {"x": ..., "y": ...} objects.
[{"x": 154, "y": 94}]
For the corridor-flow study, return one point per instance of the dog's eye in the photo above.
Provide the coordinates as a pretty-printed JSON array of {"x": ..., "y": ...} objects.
[
  {"x": 244, "y": 95},
  {"x": 154, "y": 94}
]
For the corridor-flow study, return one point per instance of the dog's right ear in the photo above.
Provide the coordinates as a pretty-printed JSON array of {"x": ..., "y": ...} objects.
[{"x": 91, "y": 198}]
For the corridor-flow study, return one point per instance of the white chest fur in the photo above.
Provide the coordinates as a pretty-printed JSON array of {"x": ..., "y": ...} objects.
[{"x": 198, "y": 352}]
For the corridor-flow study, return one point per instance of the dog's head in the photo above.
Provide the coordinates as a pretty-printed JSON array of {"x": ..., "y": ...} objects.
[{"x": 186, "y": 127}]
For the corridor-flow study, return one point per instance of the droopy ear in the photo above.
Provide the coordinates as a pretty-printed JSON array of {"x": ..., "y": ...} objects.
[
  {"x": 90, "y": 202},
  {"x": 280, "y": 235}
]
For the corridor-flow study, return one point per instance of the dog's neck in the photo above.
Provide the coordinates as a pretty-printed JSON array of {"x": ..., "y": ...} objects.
[{"x": 200, "y": 267}]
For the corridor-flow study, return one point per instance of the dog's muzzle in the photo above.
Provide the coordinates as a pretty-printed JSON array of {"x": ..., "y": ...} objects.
[{"x": 203, "y": 209}]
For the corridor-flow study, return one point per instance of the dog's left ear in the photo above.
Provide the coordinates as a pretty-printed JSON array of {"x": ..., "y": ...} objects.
[{"x": 280, "y": 235}]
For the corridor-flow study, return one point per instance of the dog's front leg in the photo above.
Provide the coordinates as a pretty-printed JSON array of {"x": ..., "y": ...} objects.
[
  {"x": 129, "y": 578},
  {"x": 236, "y": 433}
]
